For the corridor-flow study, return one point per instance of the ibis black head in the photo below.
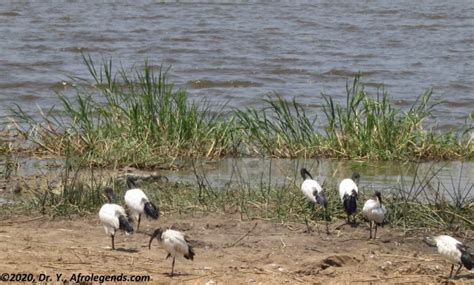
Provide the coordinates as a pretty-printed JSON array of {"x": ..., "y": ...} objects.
[
  {"x": 378, "y": 195},
  {"x": 109, "y": 192},
  {"x": 156, "y": 234},
  {"x": 131, "y": 182},
  {"x": 304, "y": 173},
  {"x": 355, "y": 177},
  {"x": 430, "y": 241}
]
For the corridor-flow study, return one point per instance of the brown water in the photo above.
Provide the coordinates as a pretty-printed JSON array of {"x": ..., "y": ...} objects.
[{"x": 238, "y": 53}]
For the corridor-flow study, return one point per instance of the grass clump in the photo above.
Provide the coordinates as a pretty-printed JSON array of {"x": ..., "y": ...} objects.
[
  {"x": 363, "y": 128},
  {"x": 134, "y": 117},
  {"x": 372, "y": 128},
  {"x": 282, "y": 129}
]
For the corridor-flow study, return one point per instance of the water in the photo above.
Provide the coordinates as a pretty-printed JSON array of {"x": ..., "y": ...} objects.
[
  {"x": 239, "y": 53},
  {"x": 451, "y": 177}
]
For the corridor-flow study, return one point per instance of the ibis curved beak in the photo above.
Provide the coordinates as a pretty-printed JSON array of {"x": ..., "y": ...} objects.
[{"x": 151, "y": 239}]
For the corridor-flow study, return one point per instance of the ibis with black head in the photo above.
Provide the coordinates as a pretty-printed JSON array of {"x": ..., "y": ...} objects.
[
  {"x": 453, "y": 251},
  {"x": 175, "y": 243},
  {"x": 348, "y": 192},
  {"x": 314, "y": 192},
  {"x": 138, "y": 203},
  {"x": 374, "y": 211},
  {"x": 113, "y": 217}
]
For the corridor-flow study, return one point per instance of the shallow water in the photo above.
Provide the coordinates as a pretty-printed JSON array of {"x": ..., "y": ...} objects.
[
  {"x": 238, "y": 53},
  {"x": 382, "y": 176},
  {"x": 251, "y": 173}
]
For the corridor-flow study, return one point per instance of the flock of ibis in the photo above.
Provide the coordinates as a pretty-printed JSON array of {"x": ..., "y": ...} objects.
[{"x": 115, "y": 217}]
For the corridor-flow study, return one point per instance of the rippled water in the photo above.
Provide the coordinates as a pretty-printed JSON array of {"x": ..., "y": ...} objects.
[{"x": 238, "y": 53}]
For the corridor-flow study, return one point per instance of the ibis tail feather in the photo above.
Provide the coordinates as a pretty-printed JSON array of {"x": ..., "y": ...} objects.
[
  {"x": 151, "y": 210},
  {"x": 125, "y": 225},
  {"x": 190, "y": 254},
  {"x": 466, "y": 257}
]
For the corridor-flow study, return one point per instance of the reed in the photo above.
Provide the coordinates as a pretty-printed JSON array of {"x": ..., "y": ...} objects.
[
  {"x": 136, "y": 117},
  {"x": 133, "y": 117}
]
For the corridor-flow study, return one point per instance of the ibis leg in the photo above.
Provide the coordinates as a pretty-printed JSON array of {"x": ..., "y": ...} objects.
[
  {"x": 326, "y": 217},
  {"x": 113, "y": 244},
  {"x": 457, "y": 271},
  {"x": 370, "y": 237},
  {"x": 172, "y": 267},
  {"x": 139, "y": 218},
  {"x": 375, "y": 235},
  {"x": 451, "y": 273}
]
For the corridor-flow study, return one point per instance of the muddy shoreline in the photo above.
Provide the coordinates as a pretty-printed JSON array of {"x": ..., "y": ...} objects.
[{"x": 228, "y": 251}]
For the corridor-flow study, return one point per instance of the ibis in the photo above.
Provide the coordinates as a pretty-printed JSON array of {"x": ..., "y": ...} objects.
[
  {"x": 374, "y": 211},
  {"x": 113, "y": 217},
  {"x": 453, "y": 251},
  {"x": 314, "y": 193},
  {"x": 348, "y": 192},
  {"x": 175, "y": 243},
  {"x": 138, "y": 203}
]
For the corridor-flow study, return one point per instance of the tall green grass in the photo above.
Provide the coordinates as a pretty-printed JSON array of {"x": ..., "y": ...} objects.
[
  {"x": 373, "y": 128},
  {"x": 281, "y": 129},
  {"x": 130, "y": 117},
  {"x": 136, "y": 117}
]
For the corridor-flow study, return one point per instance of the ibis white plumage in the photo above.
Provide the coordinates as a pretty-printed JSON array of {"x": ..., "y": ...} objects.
[
  {"x": 453, "y": 251},
  {"x": 113, "y": 217},
  {"x": 314, "y": 192},
  {"x": 138, "y": 203},
  {"x": 175, "y": 243},
  {"x": 374, "y": 211},
  {"x": 348, "y": 192}
]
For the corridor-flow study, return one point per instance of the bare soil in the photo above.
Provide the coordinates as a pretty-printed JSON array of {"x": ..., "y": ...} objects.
[{"x": 228, "y": 251}]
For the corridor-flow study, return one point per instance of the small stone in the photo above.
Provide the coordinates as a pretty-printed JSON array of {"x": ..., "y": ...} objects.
[
  {"x": 211, "y": 282},
  {"x": 274, "y": 265}
]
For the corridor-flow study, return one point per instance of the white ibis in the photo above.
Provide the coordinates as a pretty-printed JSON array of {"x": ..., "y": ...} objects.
[
  {"x": 374, "y": 211},
  {"x": 175, "y": 243},
  {"x": 314, "y": 193},
  {"x": 453, "y": 251},
  {"x": 348, "y": 192},
  {"x": 113, "y": 217},
  {"x": 138, "y": 203}
]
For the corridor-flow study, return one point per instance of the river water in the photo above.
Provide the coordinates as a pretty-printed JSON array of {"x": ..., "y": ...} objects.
[{"x": 237, "y": 52}]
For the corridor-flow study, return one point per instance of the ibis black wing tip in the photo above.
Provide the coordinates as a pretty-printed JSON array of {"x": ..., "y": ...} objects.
[
  {"x": 152, "y": 211},
  {"x": 190, "y": 255},
  {"x": 466, "y": 257}
]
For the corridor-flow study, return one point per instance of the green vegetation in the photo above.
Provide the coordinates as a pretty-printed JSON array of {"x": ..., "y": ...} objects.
[
  {"x": 136, "y": 117},
  {"x": 423, "y": 202}
]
